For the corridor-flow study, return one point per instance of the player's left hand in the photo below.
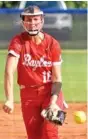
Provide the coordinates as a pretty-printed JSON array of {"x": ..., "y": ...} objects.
[
  {"x": 54, "y": 114},
  {"x": 48, "y": 112}
]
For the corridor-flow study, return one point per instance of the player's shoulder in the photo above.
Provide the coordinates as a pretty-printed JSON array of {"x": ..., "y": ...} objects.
[
  {"x": 52, "y": 40},
  {"x": 19, "y": 36}
]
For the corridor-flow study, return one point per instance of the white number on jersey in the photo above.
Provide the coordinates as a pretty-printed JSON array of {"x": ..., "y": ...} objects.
[{"x": 46, "y": 76}]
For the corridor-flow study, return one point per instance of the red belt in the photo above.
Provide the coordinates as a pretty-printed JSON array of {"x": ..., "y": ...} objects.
[{"x": 33, "y": 86}]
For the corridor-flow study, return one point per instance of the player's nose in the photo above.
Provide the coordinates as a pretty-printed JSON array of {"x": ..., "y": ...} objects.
[{"x": 32, "y": 23}]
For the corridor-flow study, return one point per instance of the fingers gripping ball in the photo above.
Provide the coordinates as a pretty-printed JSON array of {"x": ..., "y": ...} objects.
[{"x": 80, "y": 117}]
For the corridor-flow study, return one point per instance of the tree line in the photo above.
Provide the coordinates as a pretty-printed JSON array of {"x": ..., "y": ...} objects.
[{"x": 70, "y": 4}]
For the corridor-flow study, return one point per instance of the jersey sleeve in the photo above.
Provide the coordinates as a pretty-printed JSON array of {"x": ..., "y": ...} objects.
[
  {"x": 15, "y": 47},
  {"x": 56, "y": 54}
]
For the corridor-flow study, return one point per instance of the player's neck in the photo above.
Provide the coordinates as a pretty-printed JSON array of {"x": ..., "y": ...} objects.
[{"x": 38, "y": 38}]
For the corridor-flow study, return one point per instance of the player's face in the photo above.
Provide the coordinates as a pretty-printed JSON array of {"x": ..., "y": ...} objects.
[{"x": 33, "y": 23}]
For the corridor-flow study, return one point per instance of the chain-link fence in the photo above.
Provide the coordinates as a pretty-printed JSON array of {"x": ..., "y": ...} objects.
[{"x": 71, "y": 32}]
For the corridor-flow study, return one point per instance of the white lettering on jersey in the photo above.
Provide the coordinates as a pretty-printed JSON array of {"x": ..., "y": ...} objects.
[
  {"x": 28, "y": 61},
  {"x": 46, "y": 76}
]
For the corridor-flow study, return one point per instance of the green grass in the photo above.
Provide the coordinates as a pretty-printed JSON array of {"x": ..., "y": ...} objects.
[
  {"x": 74, "y": 73},
  {"x": 74, "y": 76}
]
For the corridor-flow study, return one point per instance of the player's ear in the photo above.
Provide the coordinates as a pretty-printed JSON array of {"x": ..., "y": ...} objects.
[
  {"x": 42, "y": 19},
  {"x": 22, "y": 17}
]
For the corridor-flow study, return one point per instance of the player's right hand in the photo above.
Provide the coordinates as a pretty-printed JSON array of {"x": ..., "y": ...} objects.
[{"x": 8, "y": 107}]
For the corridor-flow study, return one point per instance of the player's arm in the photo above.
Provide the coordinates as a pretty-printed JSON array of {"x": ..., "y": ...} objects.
[
  {"x": 56, "y": 72},
  {"x": 10, "y": 68},
  {"x": 56, "y": 83},
  {"x": 53, "y": 113},
  {"x": 56, "y": 76}
]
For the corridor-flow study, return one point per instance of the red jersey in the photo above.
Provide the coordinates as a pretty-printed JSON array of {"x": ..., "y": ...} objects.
[{"x": 35, "y": 61}]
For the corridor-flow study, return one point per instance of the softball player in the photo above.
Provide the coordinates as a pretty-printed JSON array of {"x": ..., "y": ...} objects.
[{"x": 37, "y": 58}]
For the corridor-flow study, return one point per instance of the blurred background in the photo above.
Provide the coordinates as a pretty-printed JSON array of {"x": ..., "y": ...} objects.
[
  {"x": 64, "y": 20},
  {"x": 61, "y": 21}
]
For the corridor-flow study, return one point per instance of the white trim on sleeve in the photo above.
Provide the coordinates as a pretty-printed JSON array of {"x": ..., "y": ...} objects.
[
  {"x": 57, "y": 63},
  {"x": 14, "y": 53}
]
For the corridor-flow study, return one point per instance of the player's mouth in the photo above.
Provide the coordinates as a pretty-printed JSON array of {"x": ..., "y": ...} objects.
[{"x": 33, "y": 32}]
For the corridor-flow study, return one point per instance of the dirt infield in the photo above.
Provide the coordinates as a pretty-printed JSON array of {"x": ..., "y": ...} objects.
[{"x": 12, "y": 126}]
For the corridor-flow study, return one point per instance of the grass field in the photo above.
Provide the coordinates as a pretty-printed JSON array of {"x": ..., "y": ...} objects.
[{"x": 74, "y": 75}]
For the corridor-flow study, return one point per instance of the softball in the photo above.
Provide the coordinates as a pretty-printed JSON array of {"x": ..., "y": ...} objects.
[{"x": 80, "y": 117}]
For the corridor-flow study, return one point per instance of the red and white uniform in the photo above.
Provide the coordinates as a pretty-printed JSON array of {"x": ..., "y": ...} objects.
[
  {"x": 34, "y": 78},
  {"x": 35, "y": 61}
]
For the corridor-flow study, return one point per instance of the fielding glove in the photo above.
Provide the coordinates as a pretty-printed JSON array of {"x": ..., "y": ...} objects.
[{"x": 54, "y": 114}]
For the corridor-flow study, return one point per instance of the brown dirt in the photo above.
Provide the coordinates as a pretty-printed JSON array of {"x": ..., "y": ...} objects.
[{"x": 12, "y": 126}]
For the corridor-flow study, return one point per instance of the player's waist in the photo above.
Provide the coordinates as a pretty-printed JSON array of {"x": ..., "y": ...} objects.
[{"x": 34, "y": 86}]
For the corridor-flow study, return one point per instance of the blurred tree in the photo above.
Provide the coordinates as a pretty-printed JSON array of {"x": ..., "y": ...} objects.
[
  {"x": 76, "y": 4},
  {"x": 8, "y": 4},
  {"x": 70, "y": 4}
]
